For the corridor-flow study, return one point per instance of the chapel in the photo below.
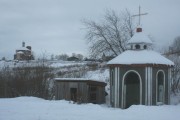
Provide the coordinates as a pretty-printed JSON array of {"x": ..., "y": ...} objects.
[{"x": 140, "y": 75}]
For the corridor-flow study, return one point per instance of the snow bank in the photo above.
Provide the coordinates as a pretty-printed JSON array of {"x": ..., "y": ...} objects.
[{"x": 31, "y": 108}]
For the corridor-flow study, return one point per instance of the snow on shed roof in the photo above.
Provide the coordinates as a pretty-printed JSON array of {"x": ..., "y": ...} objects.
[
  {"x": 140, "y": 37},
  {"x": 140, "y": 57},
  {"x": 77, "y": 79}
]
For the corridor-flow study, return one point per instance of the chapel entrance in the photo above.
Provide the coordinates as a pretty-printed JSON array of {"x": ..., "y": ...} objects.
[{"x": 132, "y": 89}]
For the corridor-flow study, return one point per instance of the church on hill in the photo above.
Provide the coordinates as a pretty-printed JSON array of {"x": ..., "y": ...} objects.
[
  {"x": 140, "y": 75},
  {"x": 24, "y": 53}
]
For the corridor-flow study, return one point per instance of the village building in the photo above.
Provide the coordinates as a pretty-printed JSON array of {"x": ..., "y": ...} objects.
[
  {"x": 80, "y": 90},
  {"x": 24, "y": 53},
  {"x": 140, "y": 75},
  {"x": 73, "y": 58}
]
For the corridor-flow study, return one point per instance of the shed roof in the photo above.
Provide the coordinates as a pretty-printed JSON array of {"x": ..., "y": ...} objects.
[
  {"x": 78, "y": 80},
  {"x": 131, "y": 57}
]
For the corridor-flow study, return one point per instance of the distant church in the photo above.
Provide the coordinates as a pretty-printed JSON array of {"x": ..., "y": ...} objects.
[
  {"x": 24, "y": 53},
  {"x": 140, "y": 75}
]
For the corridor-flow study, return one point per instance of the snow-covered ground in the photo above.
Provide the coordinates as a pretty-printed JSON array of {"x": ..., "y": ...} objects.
[
  {"x": 100, "y": 75},
  {"x": 54, "y": 64},
  {"x": 31, "y": 108}
]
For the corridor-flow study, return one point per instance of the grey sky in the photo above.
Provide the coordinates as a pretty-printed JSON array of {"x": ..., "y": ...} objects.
[{"x": 55, "y": 26}]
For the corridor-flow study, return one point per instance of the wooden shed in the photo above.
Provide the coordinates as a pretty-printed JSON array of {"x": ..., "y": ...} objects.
[{"x": 80, "y": 90}]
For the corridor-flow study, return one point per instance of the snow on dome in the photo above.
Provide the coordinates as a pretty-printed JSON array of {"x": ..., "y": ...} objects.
[
  {"x": 20, "y": 52},
  {"x": 23, "y": 48},
  {"x": 140, "y": 57},
  {"x": 140, "y": 37}
]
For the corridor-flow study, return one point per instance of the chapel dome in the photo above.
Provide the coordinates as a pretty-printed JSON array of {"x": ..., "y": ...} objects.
[
  {"x": 139, "y": 40},
  {"x": 139, "y": 53}
]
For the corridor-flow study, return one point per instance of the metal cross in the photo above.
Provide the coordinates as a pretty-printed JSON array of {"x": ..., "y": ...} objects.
[{"x": 140, "y": 14}]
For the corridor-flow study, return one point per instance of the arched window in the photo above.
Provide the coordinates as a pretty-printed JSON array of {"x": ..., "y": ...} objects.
[
  {"x": 137, "y": 46},
  {"x": 131, "y": 89},
  {"x": 160, "y": 87},
  {"x": 145, "y": 47}
]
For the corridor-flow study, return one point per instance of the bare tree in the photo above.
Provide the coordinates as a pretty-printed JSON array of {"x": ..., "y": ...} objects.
[
  {"x": 176, "y": 74},
  {"x": 109, "y": 36},
  {"x": 174, "y": 55},
  {"x": 176, "y": 44}
]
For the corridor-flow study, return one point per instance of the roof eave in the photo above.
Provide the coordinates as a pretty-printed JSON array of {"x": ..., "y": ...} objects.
[{"x": 141, "y": 65}]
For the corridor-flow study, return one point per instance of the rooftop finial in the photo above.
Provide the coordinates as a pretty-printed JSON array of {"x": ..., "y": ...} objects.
[{"x": 139, "y": 29}]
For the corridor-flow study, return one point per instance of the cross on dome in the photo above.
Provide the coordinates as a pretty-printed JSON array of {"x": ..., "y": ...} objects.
[
  {"x": 139, "y": 41},
  {"x": 139, "y": 15}
]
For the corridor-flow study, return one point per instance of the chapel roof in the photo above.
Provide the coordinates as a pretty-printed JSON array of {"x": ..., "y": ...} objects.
[{"x": 131, "y": 57}]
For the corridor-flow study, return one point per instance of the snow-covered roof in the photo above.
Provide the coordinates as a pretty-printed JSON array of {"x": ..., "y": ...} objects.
[
  {"x": 140, "y": 57},
  {"x": 23, "y": 48},
  {"x": 140, "y": 37},
  {"x": 20, "y": 52},
  {"x": 77, "y": 79}
]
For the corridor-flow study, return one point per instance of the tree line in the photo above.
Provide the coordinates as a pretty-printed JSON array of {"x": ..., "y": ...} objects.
[{"x": 26, "y": 81}]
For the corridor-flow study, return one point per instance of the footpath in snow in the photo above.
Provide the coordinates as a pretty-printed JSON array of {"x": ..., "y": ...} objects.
[{"x": 31, "y": 108}]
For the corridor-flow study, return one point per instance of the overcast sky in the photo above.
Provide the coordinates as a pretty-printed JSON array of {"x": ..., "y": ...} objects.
[{"x": 55, "y": 27}]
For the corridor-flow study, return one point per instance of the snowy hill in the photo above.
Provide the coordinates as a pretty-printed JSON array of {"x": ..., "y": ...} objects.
[
  {"x": 31, "y": 108},
  {"x": 54, "y": 64}
]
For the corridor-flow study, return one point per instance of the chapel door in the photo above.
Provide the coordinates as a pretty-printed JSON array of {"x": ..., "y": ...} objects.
[{"x": 132, "y": 90}]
